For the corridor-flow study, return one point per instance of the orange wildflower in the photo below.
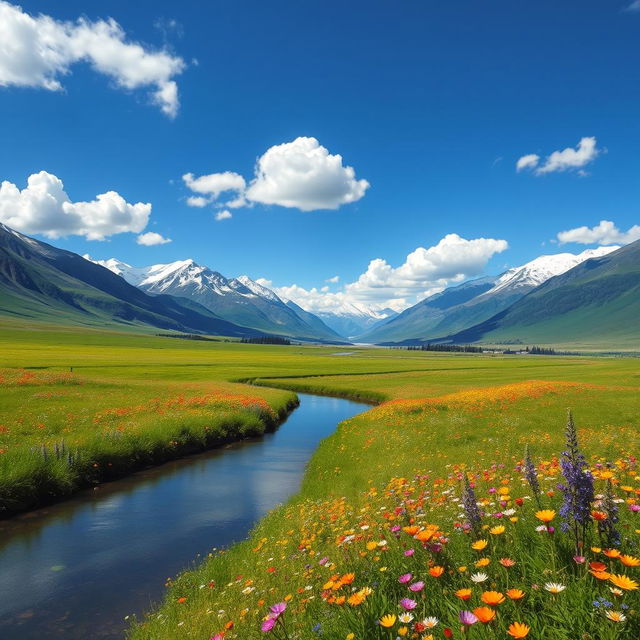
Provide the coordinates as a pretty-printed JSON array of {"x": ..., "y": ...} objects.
[
  {"x": 484, "y": 614},
  {"x": 518, "y": 630}
]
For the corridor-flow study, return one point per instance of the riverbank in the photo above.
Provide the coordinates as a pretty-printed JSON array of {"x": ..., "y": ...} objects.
[{"x": 63, "y": 433}]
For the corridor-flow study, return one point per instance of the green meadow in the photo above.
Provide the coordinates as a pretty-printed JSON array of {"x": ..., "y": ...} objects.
[{"x": 379, "y": 542}]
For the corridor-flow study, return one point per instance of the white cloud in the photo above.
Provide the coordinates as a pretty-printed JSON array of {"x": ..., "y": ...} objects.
[
  {"x": 333, "y": 280},
  {"x": 151, "y": 238},
  {"x": 197, "y": 201},
  {"x": 424, "y": 272},
  {"x": 529, "y": 161},
  {"x": 225, "y": 214},
  {"x": 568, "y": 159},
  {"x": 38, "y": 50},
  {"x": 634, "y": 6},
  {"x": 301, "y": 174},
  {"x": 605, "y": 232},
  {"x": 44, "y": 207}
]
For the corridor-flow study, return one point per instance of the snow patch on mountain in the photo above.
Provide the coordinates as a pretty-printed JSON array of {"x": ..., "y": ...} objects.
[{"x": 534, "y": 273}]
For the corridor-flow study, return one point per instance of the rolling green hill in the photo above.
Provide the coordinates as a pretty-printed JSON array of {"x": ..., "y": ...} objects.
[
  {"x": 597, "y": 303},
  {"x": 40, "y": 282}
]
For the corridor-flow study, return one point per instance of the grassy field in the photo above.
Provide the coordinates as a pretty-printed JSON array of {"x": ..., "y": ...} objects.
[{"x": 416, "y": 518}]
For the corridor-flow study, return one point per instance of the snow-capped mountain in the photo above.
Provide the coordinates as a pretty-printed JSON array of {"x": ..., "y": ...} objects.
[
  {"x": 351, "y": 319},
  {"x": 534, "y": 273},
  {"x": 470, "y": 303},
  {"x": 238, "y": 300}
]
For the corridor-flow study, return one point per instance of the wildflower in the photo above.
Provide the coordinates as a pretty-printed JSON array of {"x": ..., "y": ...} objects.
[
  {"x": 484, "y": 614},
  {"x": 463, "y": 594},
  {"x": 518, "y": 630},
  {"x": 554, "y": 587},
  {"x": 416, "y": 586},
  {"x": 356, "y": 599},
  {"x": 612, "y": 553},
  {"x": 483, "y": 562},
  {"x": 436, "y": 572},
  {"x": 623, "y": 582},
  {"x": 388, "y": 620},
  {"x": 470, "y": 504},
  {"x": 430, "y": 622},
  {"x": 515, "y": 594},
  {"x": 268, "y": 624},
  {"x": 493, "y": 598},
  {"x": 479, "y": 577},
  {"x": 597, "y": 566},
  {"x": 579, "y": 559},
  {"x": 507, "y": 562},
  {"x": 402, "y": 631},
  {"x": 629, "y": 561},
  {"x": 578, "y": 490},
  {"x": 531, "y": 475},
  {"x": 405, "y": 617},
  {"x": 600, "y": 575},
  {"x": 408, "y": 604},
  {"x": 607, "y": 525},
  {"x": 467, "y": 618},
  {"x": 496, "y": 531},
  {"x": 615, "y": 616},
  {"x": 479, "y": 545},
  {"x": 546, "y": 515},
  {"x": 404, "y": 578}
]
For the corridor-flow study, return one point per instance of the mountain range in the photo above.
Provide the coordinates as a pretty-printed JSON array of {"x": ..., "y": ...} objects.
[
  {"x": 472, "y": 302},
  {"x": 590, "y": 298},
  {"x": 238, "y": 300}
]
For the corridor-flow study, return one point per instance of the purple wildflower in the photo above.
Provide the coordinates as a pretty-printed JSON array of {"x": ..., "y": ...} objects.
[
  {"x": 408, "y": 604},
  {"x": 578, "y": 489},
  {"x": 470, "y": 504},
  {"x": 468, "y": 618},
  {"x": 416, "y": 586},
  {"x": 404, "y": 578},
  {"x": 531, "y": 475},
  {"x": 268, "y": 624},
  {"x": 607, "y": 528}
]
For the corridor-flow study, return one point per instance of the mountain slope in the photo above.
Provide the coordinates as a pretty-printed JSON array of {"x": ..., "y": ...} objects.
[
  {"x": 597, "y": 303},
  {"x": 238, "y": 300},
  {"x": 470, "y": 303},
  {"x": 38, "y": 281}
]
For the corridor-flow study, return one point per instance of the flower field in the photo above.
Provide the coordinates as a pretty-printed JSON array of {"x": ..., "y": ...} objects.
[{"x": 479, "y": 514}]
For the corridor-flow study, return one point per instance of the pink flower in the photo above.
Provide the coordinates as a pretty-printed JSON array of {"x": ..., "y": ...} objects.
[
  {"x": 267, "y": 625},
  {"x": 409, "y": 552},
  {"x": 468, "y": 618},
  {"x": 634, "y": 507},
  {"x": 278, "y": 609},
  {"x": 579, "y": 559},
  {"x": 408, "y": 604},
  {"x": 404, "y": 578},
  {"x": 323, "y": 561},
  {"x": 416, "y": 586}
]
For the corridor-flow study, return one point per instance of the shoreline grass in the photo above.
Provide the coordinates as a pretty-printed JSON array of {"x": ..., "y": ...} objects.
[{"x": 79, "y": 432}]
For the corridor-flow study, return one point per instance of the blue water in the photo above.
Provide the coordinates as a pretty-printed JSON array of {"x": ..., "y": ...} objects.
[{"x": 77, "y": 569}]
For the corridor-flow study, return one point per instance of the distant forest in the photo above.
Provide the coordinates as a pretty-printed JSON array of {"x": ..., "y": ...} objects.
[{"x": 266, "y": 340}]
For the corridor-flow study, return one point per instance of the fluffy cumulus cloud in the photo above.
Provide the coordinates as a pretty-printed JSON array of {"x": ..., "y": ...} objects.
[
  {"x": 44, "y": 207},
  {"x": 225, "y": 214},
  {"x": 37, "y": 50},
  {"x": 301, "y": 174},
  {"x": 606, "y": 232},
  {"x": 151, "y": 239},
  {"x": 569, "y": 159},
  {"x": 424, "y": 272}
]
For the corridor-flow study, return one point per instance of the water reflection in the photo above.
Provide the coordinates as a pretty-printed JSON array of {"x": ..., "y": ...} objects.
[{"x": 75, "y": 570}]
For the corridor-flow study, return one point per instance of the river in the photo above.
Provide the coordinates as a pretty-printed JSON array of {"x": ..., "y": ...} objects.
[{"x": 77, "y": 569}]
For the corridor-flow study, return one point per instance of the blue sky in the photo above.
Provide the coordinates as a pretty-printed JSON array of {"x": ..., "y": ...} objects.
[{"x": 432, "y": 103}]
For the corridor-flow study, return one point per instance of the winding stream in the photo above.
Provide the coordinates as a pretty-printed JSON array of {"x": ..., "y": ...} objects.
[{"x": 77, "y": 569}]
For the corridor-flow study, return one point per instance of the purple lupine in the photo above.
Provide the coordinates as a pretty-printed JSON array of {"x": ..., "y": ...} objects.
[
  {"x": 578, "y": 488},
  {"x": 470, "y": 504},
  {"x": 531, "y": 475}
]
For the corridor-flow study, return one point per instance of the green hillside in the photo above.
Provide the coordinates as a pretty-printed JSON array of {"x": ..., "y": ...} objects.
[{"x": 594, "y": 304}]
